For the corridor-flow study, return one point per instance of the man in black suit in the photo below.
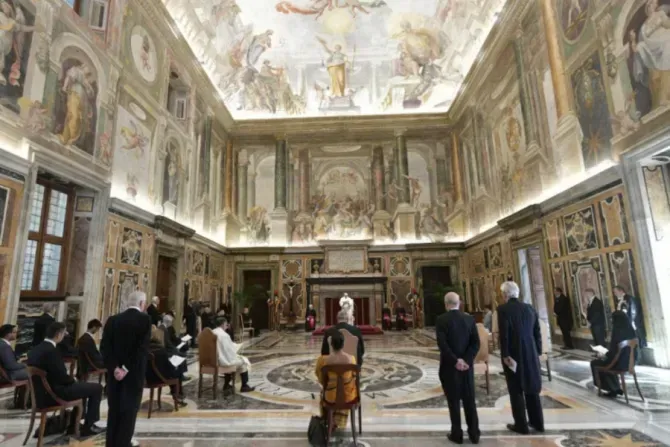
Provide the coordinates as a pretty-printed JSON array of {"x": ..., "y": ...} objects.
[
  {"x": 125, "y": 349},
  {"x": 633, "y": 308},
  {"x": 595, "y": 315},
  {"x": 191, "y": 321},
  {"x": 47, "y": 357},
  {"x": 563, "y": 312},
  {"x": 458, "y": 340},
  {"x": 153, "y": 312},
  {"x": 171, "y": 343},
  {"x": 43, "y": 322},
  {"x": 344, "y": 320},
  {"x": 89, "y": 358},
  {"x": 14, "y": 369},
  {"x": 520, "y": 348}
]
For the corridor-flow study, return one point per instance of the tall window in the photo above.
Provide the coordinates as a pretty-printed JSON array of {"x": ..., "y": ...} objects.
[
  {"x": 49, "y": 226},
  {"x": 94, "y": 11}
]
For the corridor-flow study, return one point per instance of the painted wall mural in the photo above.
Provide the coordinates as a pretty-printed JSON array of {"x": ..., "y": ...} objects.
[
  {"x": 16, "y": 33},
  {"x": 131, "y": 151},
  {"x": 355, "y": 57}
]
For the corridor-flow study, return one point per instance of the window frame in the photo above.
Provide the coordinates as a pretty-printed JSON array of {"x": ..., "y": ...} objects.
[
  {"x": 76, "y": 6},
  {"x": 41, "y": 237},
  {"x": 181, "y": 100},
  {"x": 90, "y": 14}
]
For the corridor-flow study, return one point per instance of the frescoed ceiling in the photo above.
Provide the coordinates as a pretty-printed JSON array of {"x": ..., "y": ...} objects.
[{"x": 310, "y": 58}]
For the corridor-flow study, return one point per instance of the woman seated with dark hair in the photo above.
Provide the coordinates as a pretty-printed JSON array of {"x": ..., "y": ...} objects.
[
  {"x": 621, "y": 331},
  {"x": 337, "y": 357},
  {"x": 162, "y": 362}
]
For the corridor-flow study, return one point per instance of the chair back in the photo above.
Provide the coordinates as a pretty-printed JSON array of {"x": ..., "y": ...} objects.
[
  {"x": 4, "y": 377},
  {"x": 157, "y": 373},
  {"x": 546, "y": 345},
  {"x": 630, "y": 364},
  {"x": 36, "y": 375},
  {"x": 339, "y": 370},
  {"x": 207, "y": 355},
  {"x": 483, "y": 353},
  {"x": 494, "y": 323},
  {"x": 350, "y": 343}
]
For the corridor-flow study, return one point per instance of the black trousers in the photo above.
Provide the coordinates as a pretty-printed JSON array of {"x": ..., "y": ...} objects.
[
  {"x": 124, "y": 401},
  {"x": 400, "y": 324},
  {"x": 567, "y": 338},
  {"x": 227, "y": 378},
  {"x": 91, "y": 393},
  {"x": 598, "y": 334},
  {"x": 460, "y": 386},
  {"x": 521, "y": 403},
  {"x": 608, "y": 382}
]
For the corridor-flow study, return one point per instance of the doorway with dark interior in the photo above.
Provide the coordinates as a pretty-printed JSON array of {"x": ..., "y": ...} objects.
[
  {"x": 532, "y": 280},
  {"x": 436, "y": 282},
  {"x": 166, "y": 278},
  {"x": 256, "y": 284}
]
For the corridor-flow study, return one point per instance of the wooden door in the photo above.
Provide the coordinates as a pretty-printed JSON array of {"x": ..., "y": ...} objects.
[
  {"x": 163, "y": 283},
  {"x": 434, "y": 279},
  {"x": 256, "y": 283}
]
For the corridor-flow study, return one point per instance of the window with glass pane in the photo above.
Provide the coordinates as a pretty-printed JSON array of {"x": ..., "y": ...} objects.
[
  {"x": 57, "y": 213},
  {"x": 50, "y": 267},
  {"x": 36, "y": 209},
  {"x": 29, "y": 266}
]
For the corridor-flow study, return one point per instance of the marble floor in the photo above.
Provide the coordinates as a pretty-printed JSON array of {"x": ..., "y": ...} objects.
[{"x": 403, "y": 403}]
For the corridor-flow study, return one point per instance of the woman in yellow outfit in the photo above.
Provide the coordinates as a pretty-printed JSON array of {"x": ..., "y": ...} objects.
[{"x": 337, "y": 357}]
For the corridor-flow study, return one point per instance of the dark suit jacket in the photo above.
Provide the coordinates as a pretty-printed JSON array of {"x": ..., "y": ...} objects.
[
  {"x": 163, "y": 365},
  {"x": 86, "y": 345},
  {"x": 636, "y": 318},
  {"x": 521, "y": 339},
  {"x": 40, "y": 328},
  {"x": 170, "y": 345},
  {"x": 67, "y": 348},
  {"x": 595, "y": 313},
  {"x": 325, "y": 347},
  {"x": 125, "y": 342},
  {"x": 152, "y": 311},
  {"x": 8, "y": 361},
  {"x": 563, "y": 311},
  {"x": 190, "y": 317},
  {"x": 457, "y": 338},
  {"x": 48, "y": 358}
]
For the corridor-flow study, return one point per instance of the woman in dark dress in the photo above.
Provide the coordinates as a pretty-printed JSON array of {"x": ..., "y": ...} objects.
[
  {"x": 165, "y": 368},
  {"x": 621, "y": 331}
]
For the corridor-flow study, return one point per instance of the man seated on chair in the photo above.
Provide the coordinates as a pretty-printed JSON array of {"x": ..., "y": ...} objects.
[
  {"x": 87, "y": 348},
  {"x": 48, "y": 358},
  {"x": 227, "y": 355},
  {"x": 386, "y": 319},
  {"x": 246, "y": 320},
  {"x": 207, "y": 317},
  {"x": 400, "y": 318},
  {"x": 622, "y": 330},
  {"x": 164, "y": 366},
  {"x": 345, "y": 320},
  {"x": 171, "y": 343},
  {"x": 66, "y": 346},
  {"x": 15, "y": 370}
]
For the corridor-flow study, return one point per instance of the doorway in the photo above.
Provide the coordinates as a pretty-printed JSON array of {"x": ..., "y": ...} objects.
[
  {"x": 166, "y": 278},
  {"x": 436, "y": 279},
  {"x": 532, "y": 280},
  {"x": 256, "y": 283}
]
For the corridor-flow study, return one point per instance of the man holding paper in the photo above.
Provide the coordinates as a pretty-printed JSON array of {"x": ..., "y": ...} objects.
[
  {"x": 520, "y": 348},
  {"x": 227, "y": 354}
]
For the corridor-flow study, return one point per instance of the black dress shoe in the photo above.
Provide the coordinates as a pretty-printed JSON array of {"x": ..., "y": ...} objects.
[
  {"x": 454, "y": 439},
  {"x": 474, "y": 440},
  {"x": 515, "y": 429},
  {"x": 90, "y": 431},
  {"x": 247, "y": 389},
  {"x": 537, "y": 429},
  {"x": 611, "y": 394}
]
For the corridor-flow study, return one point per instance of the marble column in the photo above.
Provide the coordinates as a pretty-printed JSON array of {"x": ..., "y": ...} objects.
[
  {"x": 402, "y": 166},
  {"x": 228, "y": 227},
  {"x": 378, "y": 181},
  {"x": 280, "y": 174},
  {"x": 456, "y": 169},
  {"x": 229, "y": 167},
  {"x": 304, "y": 168},
  {"x": 251, "y": 190},
  {"x": 391, "y": 173},
  {"x": 526, "y": 107},
  {"x": 568, "y": 138},
  {"x": 235, "y": 183},
  {"x": 242, "y": 179}
]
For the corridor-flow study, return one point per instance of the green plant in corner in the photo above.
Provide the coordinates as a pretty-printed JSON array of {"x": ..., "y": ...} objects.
[{"x": 436, "y": 290}]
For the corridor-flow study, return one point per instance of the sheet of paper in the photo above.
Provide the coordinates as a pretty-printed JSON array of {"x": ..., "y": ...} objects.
[
  {"x": 176, "y": 360},
  {"x": 600, "y": 349},
  {"x": 181, "y": 345},
  {"x": 513, "y": 366},
  {"x": 186, "y": 338}
]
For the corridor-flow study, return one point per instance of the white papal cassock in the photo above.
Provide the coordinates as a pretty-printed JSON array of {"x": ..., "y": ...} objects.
[{"x": 227, "y": 349}]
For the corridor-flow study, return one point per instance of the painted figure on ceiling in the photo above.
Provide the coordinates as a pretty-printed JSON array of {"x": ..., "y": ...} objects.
[
  {"x": 76, "y": 105},
  {"x": 171, "y": 176},
  {"x": 337, "y": 68},
  {"x": 12, "y": 36},
  {"x": 318, "y": 7}
]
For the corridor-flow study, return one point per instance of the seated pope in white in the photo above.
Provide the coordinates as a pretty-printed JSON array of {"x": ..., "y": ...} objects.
[{"x": 227, "y": 353}]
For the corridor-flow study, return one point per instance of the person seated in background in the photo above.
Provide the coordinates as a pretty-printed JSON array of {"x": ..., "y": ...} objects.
[
  {"x": 488, "y": 318},
  {"x": 48, "y": 358},
  {"x": 171, "y": 343},
  {"x": 310, "y": 318},
  {"x": 153, "y": 312},
  {"x": 43, "y": 322},
  {"x": 336, "y": 356},
  {"x": 386, "y": 319},
  {"x": 207, "y": 317},
  {"x": 14, "y": 369},
  {"x": 87, "y": 348},
  {"x": 246, "y": 320},
  {"x": 227, "y": 354},
  {"x": 622, "y": 330},
  {"x": 66, "y": 346},
  {"x": 400, "y": 318},
  {"x": 163, "y": 365}
]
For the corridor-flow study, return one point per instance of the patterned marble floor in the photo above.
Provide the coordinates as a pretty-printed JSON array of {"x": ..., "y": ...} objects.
[{"x": 402, "y": 403}]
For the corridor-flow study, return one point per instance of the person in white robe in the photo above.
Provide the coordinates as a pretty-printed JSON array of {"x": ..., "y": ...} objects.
[{"x": 227, "y": 353}]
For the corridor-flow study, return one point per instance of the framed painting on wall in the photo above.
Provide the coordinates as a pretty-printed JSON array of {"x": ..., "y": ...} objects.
[
  {"x": 588, "y": 274},
  {"x": 84, "y": 205},
  {"x": 4, "y": 203}
]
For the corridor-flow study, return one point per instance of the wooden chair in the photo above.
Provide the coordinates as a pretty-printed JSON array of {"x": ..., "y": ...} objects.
[
  {"x": 18, "y": 385},
  {"x": 84, "y": 358},
  {"x": 350, "y": 343},
  {"x": 482, "y": 359},
  {"x": 62, "y": 405},
  {"x": 242, "y": 330},
  {"x": 340, "y": 402},
  {"x": 495, "y": 333},
  {"x": 73, "y": 363},
  {"x": 163, "y": 383},
  {"x": 632, "y": 344},
  {"x": 208, "y": 360},
  {"x": 546, "y": 347}
]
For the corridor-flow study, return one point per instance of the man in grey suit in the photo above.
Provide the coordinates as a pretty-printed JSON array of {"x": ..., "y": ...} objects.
[{"x": 15, "y": 370}]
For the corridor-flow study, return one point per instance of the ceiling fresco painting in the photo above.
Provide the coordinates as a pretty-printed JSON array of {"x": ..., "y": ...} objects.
[{"x": 300, "y": 58}]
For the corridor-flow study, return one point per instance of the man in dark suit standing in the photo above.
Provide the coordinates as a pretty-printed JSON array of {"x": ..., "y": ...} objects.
[
  {"x": 89, "y": 357},
  {"x": 15, "y": 370},
  {"x": 48, "y": 358},
  {"x": 344, "y": 320},
  {"x": 125, "y": 349},
  {"x": 563, "y": 312},
  {"x": 43, "y": 322},
  {"x": 520, "y": 348},
  {"x": 458, "y": 340},
  {"x": 595, "y": 315},
  {"x": 191, "y": 321},
  {"x": 153, "y": 312}
]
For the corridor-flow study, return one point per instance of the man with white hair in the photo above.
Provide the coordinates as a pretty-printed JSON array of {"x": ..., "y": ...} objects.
[
  {"x": 153, "y": 312},
  {"x": 520, "y": 349},
  {"x": 458, "y": 340},
  {"x": 125, "y": 349},
  {"x": 345, "y": 320}
]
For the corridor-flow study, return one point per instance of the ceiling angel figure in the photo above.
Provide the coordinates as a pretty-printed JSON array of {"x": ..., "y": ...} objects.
[{"x": 422, "y": 44}]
